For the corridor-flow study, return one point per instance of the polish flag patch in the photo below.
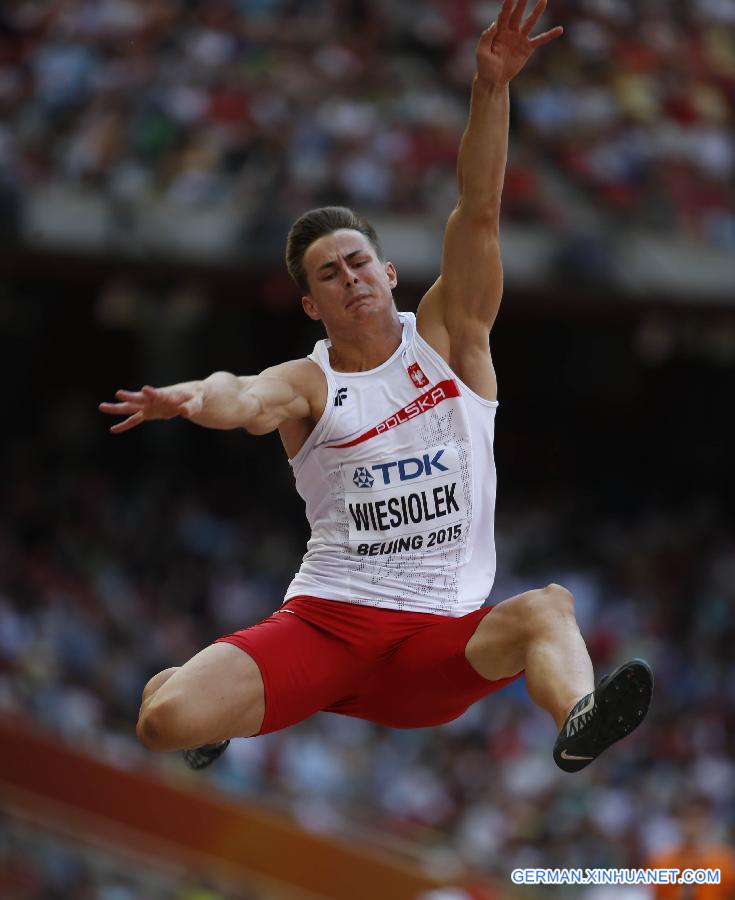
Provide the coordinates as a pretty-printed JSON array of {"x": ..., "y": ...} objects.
[{"x": 417, "y": 376}]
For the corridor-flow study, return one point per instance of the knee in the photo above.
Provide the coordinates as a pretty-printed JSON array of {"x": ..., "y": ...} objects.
[
  {"x": 547, "y": 605},
  {"x": 559, "y": 599},
  {"x": 157, "y": 723},
  {"x": 158, "y": 682}
]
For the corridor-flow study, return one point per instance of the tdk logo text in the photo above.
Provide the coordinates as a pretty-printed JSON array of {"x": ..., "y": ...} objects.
[{"x": 401, "y": 470}]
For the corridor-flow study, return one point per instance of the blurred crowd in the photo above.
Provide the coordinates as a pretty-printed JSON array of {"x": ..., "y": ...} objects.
[
  {"x": 105, "y": 580},
  {"x": 38, "y": 865},
  {"x": 273, "y": 106}
]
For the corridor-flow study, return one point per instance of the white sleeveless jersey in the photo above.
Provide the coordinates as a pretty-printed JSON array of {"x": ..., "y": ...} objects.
[{"x": 399, "y": 483}]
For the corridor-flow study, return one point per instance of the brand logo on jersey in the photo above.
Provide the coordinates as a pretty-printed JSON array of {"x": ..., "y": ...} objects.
[
  {"x": 363, "y": 478},
  {"x": 340, "y": 396},
  {"x": 417, "y": 376},
  {"x": 402, "y": 469},
  {"x": 440, "y": 392}
]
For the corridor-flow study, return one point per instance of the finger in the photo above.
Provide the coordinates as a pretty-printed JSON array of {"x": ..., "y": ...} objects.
[
  {"x": 119, "y": 409},
  {"x": 129, "y": 395},
  {"x": 128, "y": 423},
  {"x": 536, "y": 14},
  {"x": 188, "y": 408},
  {"x": 547, "y": 36},
  {"x": 149, "y": 391},
  {"x": 169, "y": 396},
  {"x": 517, "y": 15},
  {"x": 489, "y": 33},
  {"x": 504, "y": 14}
]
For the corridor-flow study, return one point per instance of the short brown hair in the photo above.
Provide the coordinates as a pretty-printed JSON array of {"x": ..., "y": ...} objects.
[{"x": 315, "y": 224}]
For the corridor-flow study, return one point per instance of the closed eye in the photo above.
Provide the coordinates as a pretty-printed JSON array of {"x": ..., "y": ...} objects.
[{"x": 355, "y": 265}]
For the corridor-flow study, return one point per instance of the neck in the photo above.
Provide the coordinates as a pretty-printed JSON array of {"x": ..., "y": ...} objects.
[{"x": 375, "y": 343}]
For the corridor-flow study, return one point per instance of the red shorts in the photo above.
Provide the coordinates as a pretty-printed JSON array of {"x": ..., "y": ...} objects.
[{"x": 400, "y": 669}]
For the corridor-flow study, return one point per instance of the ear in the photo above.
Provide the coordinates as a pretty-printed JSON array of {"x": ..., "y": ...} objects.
[
  {"x": 390, "y": 271},
  {"x": 308, "y": 306}
]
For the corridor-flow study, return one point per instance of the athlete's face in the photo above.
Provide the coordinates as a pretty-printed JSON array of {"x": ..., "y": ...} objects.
[{"x": 347, "y": 281}]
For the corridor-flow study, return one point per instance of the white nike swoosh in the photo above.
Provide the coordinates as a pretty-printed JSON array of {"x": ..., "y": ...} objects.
[{"x": 565, "y": 755}]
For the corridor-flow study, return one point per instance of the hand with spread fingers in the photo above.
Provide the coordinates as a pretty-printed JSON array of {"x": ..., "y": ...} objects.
[
  {"x": 505, "y": 47},
  {"x": 154, "y": 403}
]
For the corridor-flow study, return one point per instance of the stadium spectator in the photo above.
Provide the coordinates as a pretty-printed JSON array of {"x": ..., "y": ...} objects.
[{"x": 629, "y": 122}]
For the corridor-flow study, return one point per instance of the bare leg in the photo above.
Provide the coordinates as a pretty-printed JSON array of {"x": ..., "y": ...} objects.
[
  {"x": 156, "y": 682},
  {"x": 558, "y": 667},
  {"x": 536, "y": 631},
  {"x": 218, "y": 694}
]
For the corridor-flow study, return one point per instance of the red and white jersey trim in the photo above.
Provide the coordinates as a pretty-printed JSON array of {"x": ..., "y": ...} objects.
[{"x": 442, "y": 391}]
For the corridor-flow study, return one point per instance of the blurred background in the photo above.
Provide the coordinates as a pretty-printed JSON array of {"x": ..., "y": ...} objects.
[{"x": 152, "y": 157}]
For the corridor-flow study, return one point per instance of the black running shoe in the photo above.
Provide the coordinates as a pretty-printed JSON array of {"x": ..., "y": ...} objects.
[
  {"x": 617, "y": 706},
  {"x": 201, "y": 757}
]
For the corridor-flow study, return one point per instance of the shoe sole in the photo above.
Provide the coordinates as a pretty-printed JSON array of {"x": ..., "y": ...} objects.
[
  {"x": 626, "y": 696},
  {"x": 623, "y": 699}
]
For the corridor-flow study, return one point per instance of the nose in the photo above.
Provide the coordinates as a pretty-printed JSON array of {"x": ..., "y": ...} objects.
[{"x": 350, "y": 275}]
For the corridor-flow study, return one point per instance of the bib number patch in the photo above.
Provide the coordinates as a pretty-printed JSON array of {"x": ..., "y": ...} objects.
[{"x": 404, "y": 505}]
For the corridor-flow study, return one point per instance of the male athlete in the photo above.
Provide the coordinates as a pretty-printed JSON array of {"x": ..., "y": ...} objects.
[{"x": 388, "y": 426}]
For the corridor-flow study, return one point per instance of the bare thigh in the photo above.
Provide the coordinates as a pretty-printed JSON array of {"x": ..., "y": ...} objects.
[{"x": 217, "y": 694}]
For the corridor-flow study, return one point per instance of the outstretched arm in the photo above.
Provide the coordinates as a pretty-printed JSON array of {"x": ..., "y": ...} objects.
[
  {"x": 458, "y": 311},
  {"x": 258, "y": 403}
]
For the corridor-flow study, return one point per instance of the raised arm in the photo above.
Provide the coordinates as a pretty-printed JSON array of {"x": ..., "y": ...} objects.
[
  {"x": 459, "y": 309},
  {"x": 257, "y": 403}
]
